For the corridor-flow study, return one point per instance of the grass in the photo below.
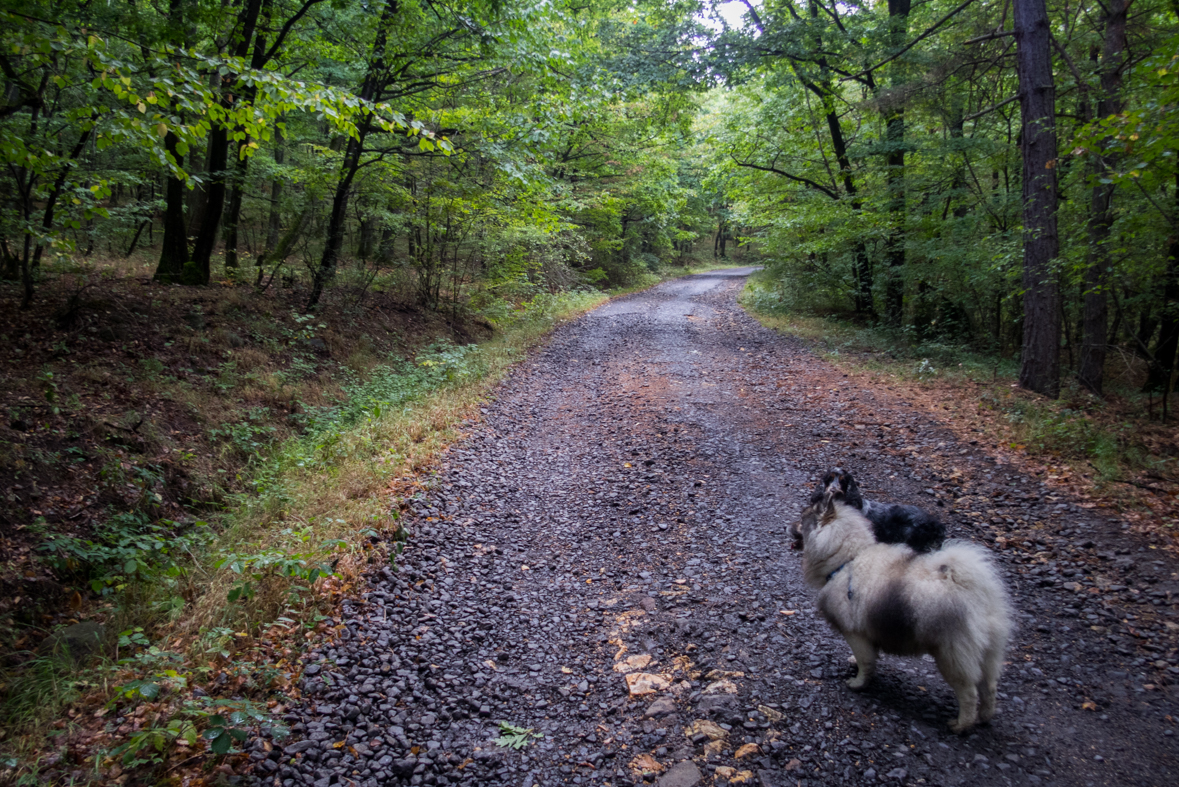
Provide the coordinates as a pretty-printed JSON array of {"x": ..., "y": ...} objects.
[{"x": 1111, "y": 445}]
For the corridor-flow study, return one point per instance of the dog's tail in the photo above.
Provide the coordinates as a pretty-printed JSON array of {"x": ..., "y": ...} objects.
[
  {"x": 972, "y": 569},
  {"x": 967, "y": 565}
]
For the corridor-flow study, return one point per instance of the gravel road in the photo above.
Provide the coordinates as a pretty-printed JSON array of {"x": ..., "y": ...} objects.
[{"x": 604, "y": 560}]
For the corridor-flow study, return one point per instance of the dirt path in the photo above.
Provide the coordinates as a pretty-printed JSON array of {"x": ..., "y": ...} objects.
[{"x": 625, "y": 504}]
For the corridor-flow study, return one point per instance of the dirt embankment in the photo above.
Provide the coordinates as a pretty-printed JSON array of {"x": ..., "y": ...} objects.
[{"x": 126, "y": 398}]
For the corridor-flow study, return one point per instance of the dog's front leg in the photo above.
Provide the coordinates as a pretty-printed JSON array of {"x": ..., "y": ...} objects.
[{"x": 865, "y": 653}]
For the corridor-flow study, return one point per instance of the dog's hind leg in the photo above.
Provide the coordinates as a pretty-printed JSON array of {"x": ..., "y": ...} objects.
[
  {"x": 964, "y": 681},
  {"x": 865, "y": 654},
  {"x": 989, "y": 685}
]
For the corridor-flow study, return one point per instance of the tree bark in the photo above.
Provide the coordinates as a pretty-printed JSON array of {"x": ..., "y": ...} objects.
[
  {"x": 274, "y": 222},
  {"x": 1162, "y": 367},
  {"x": 241, "y": 163},
  {"x": 55, "y": 192},
  {"x": 174, "y": 247},
  {"x": 894, "y": 244},
  {"x": 233, "y": 212},
  {"x": 1095, "y": 317},
  {"x": 200, "y": 269},
  {"x": 1040, "y": 357}
]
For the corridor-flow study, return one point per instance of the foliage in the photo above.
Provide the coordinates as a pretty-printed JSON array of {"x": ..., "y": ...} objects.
[
  {"x": 513, "y": 737},
  {"x": 129, "y": 548}
]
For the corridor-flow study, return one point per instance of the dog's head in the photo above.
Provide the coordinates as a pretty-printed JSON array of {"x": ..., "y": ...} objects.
[{"x": 837, "y": 485}]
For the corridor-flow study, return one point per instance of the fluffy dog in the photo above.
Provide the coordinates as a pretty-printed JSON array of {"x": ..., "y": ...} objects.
[
  {"x": 892, "y": 523},
  {"x": 886, "y": 597}
]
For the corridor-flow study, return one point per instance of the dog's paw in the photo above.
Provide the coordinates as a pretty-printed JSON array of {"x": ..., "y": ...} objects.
[
  {"x": 858, "y": 682},
  {"x": 958, "y": 727}
]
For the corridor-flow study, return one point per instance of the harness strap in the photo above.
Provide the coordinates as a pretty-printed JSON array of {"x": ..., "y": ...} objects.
[{"x": 849, "y": 579}]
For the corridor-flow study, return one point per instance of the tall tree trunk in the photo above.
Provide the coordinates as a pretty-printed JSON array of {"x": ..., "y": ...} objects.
[
  {"x": 374, "y": 82},
  {"x": 55, "y": 192},
  {"x": 196, "y": 199},
  {"x": 233, "y": 211},
  {"x": 174, "y": 244},
  {"x": 1162, "y": 367},
  {"x": 241, "y": 163},
  {"x": 1095, "y": 318},
  {"x": 200, "y": 269},
  {"x": 1040, "y": 358},
  {"x": 174, "y": 247},
  {"x": 274, "y": 222},
  {"x": 894, "y": 244}
]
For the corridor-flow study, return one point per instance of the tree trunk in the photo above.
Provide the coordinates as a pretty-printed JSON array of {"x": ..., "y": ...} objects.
[
  {"x": 1163, "y": 366},
  {"x": 174, "y": 247},
  {"x": 233, "y": 212},
  {"x": 1040, "y": 357},
  {"x": 861, "y": 263},
  {"x": 200, "y": 269},
  {"x": 894, "y": 244},
  {"x": 368, "y": 238},
  {"x": 241, "y": 164},
  {"x": 274, "y": 223},
  {"x": 372, "y": 86},
  {"x": 1095, "y": 318},
  {"x": 55, "y": 192}
]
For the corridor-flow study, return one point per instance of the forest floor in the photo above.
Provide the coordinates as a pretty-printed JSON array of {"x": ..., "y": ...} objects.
[{"x": 597, "y": 588}]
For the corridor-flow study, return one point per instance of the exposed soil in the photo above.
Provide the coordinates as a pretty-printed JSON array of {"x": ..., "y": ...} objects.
[
  {"x": 120, "y": 394},
  {"x": 624, "y": 507}
]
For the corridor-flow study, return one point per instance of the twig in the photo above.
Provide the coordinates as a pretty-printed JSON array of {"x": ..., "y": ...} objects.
[
  {"x": 989, "y": 37},
  {"x": 131, "y": 429},
  {"x": 1142, "y": 486},
  {"x": 912, "y": 43},
  {"x": 990, "y": 109},
  {"x": 185, "y": 762}
]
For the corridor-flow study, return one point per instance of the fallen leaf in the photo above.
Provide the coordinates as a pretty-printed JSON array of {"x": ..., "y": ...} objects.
[{"x": 640, "y": 683}]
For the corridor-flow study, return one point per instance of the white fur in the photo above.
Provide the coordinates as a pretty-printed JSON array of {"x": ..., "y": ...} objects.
[{"x": 949, "y": 603}]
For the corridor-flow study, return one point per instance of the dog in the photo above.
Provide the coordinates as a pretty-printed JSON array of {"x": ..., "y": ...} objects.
[
  {"x": 950, "y": 603},
  {"x": 892, "y": 523}
]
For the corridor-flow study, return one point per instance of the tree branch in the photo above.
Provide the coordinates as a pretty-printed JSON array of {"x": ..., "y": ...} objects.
[
  {"x": 930, "y": 31},
  {"x": 797, "y": 178},
  {"x": 991, "y": 108}
]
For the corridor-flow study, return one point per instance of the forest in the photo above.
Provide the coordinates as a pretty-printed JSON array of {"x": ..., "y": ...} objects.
[
  {"x": 873, "y": 154},
  {"x": 244, "y": 242}
]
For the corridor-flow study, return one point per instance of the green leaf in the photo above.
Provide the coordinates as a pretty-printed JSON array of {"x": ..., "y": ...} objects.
[{"x": 221, "y": 744}]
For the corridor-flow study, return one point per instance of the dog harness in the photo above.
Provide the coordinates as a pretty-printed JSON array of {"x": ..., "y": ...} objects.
[{"x": 836, "y": 571}]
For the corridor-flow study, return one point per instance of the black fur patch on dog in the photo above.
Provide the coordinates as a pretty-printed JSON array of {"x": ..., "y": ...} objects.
[
  {"x": 900, "y": 524},
  {"x": 892, "y": 523},
  {"x": 893, "y": 622}
]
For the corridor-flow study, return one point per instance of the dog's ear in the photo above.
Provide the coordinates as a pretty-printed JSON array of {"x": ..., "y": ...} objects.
[
  {"x": 820, "y": 490},
  {"x": 826, "y": 509},
  {"x": 851, "y": 491}
]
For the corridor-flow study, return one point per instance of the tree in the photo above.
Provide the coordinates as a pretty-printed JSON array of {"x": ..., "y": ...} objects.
[
  {"x": 1095, "y": 319},
  {"x": 1040, "y": 359}
]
